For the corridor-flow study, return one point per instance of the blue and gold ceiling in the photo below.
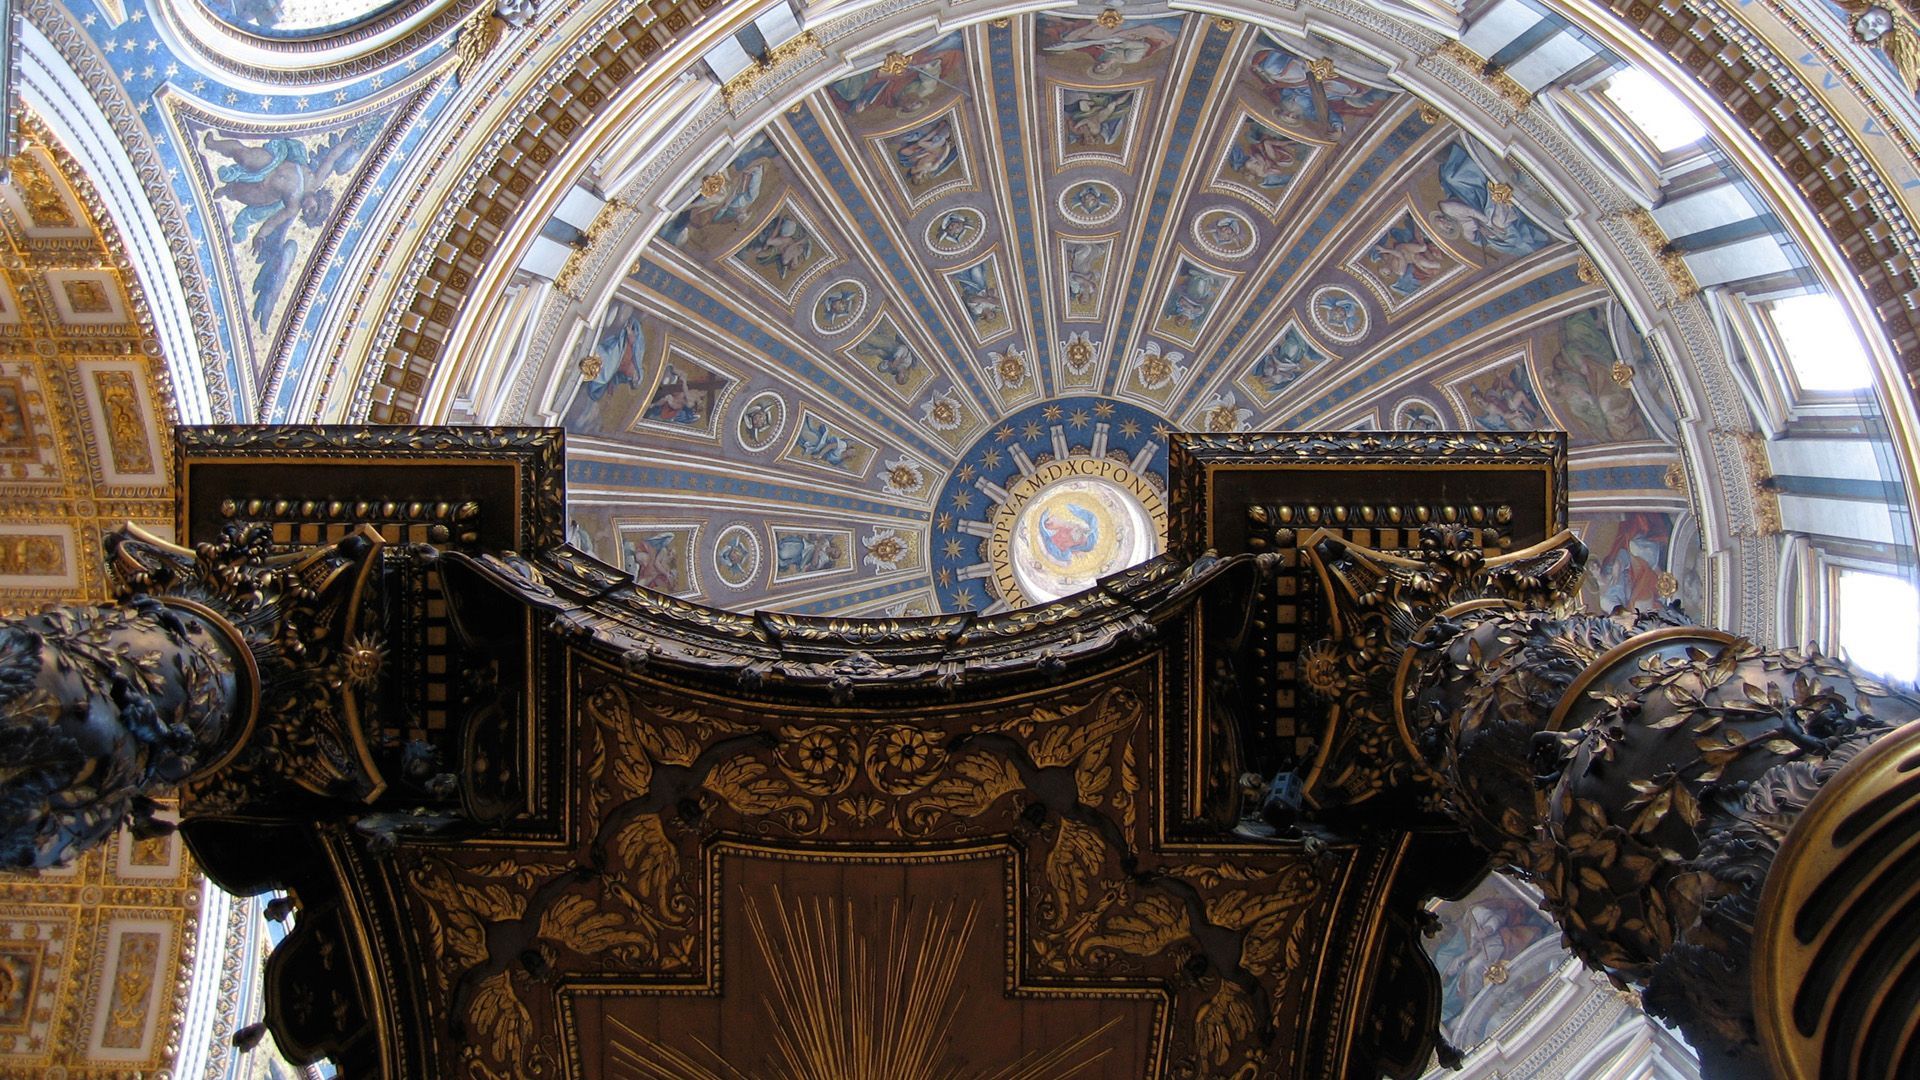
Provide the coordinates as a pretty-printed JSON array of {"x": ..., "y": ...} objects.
[{"x": 1056, "y": 238}]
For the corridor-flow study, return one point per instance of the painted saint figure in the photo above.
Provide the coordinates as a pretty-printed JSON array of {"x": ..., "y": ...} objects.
[
  {"x": 1086, "y": 266},
  {"x": 821, "y": 443},
  {"x": 785, "y": 245},
  {"x": 940, "y": 65},
  {"x": 1265, "y": 156},
  {"x": 979, "y": 294},
  {"x": 1285, "y": 361},
  {"x": 808, "y": 552},
  {"x": 1406, "y": 259},
  {"x": 674, "y": 402},
  {"x": 1305, "y": 101},
  {"x": 1471, "y": 213},
  {"x": 652, "y": 561},
  {"x": 1195, "y": 291},
  {"x": 617, "y": 351},
  {"x": 1505, "y": 401},
  {"x": 890, "y": 354},
  {"x": 1111, "y": 50},
  {"x": 1096, "y": 117},
  {"x": 742, "y": 183},
  {"x": 1065, "y": 535},
  {"x": 926, "y": 152}
]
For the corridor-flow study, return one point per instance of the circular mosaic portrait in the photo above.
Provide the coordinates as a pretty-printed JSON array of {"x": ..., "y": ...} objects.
[
  {"x": 840, "y": 304},
  {"x": 1075, "y": 531},
  {"x": 1416, "y": 414},
  {"x": 736, "y": 556},
  {"x": 1090, "y": 202},
  {"x": 1224, "y": 234},
  {"x": 762, "y": 419},
  {"x": 954, "y": 231},
  {"x": 1338, "y": 314}
]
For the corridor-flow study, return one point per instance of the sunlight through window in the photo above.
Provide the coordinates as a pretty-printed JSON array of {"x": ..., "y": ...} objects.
[
  {"x": 1880, "y": 623},
  {"x": 1654, "y": 109},
  {"x": 1820, "y": 343}
]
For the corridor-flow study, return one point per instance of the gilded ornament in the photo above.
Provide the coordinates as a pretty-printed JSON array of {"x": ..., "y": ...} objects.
[
  {"x": 1666, "y": 585},
  {"x": 1156, "y": 369},
  {"x": 712, "y": 184},
  {"x": 478, "y": 37},
  {"x": 590, "y": 367},
  {"x": 942, "y": 413},
  {"x": 895, "y": 63},
  {"x": 1010, "y": 368},
  {"x": 1223, "y": 24},
  {"x": 904, "y": 477},
  {"x": 361, "y": 659},
  {"x": 1500, "y": 193},
  {"x": 1675, "y": 477},
  {"x": 1587, "y": 271},
  {"x": 1621, "y": 373},
  {"x": 1429, "y": 114},
  {"x": 1109, "y": 18},
  {"x": 1679, "y": 275},
  {"x": 1320, "y": 669},
  {"x": 1892, "y": 30},
  {"x": 1321, "y": 68}
]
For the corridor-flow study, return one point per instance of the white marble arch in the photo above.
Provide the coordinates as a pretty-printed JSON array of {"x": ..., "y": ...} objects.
[{"x": 56, "y": 94}]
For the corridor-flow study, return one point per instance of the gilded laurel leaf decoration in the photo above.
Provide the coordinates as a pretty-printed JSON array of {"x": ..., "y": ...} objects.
[
  {"x": 1147, "y": 928},
  {"x": 457, "y": 912},
  {"x": 973, "y": 784},
  {"x": 653, "y": 864},
  {"x": 1263, "y": 914},
  {"x": 1223, "y": 1021},
  {"x": 623, "y": 752},
  {"x": 576, "y": 922},
  {"x": 1073, "y": 863},
  {"x": 1085, "y": 741},
  {"x": 498, "y": 1019},
  {"x": 748, "y": 787}
]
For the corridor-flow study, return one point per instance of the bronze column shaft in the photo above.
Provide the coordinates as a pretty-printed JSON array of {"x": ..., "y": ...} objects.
[
  {"x": 100, "y": 708},
  {"x": 1643, "y": 775}
]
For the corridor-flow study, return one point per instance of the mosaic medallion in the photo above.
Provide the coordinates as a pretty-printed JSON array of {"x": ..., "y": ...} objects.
[
  {"x": 761, "y": 420},
  {"x": 1090, "y": 202},
  {"x": 1224, "y": 234},
  {"x": 736, "y": 556},
  {"x": 1077, "y": 529},
  {"x": 954, "y": 231},
  {"x": 840, "y": 306},
  {"x": 1338, "y": 314}
]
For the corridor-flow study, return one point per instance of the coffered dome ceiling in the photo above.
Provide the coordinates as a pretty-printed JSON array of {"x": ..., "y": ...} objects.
[{"x": 916, "y": 344}]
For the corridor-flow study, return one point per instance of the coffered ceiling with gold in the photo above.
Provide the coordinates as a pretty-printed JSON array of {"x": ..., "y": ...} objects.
[
  {"x": 862, "y": 335},
  {"x": 84, "y": 411},
  {"x": 95, "y": 958}
]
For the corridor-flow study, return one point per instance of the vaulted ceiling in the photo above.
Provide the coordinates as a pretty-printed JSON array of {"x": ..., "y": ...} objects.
[
  {"x": 85, "y": 413},
  {"x": 854, "y": 344}
]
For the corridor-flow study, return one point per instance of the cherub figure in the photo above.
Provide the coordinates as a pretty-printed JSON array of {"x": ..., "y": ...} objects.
[{"x": 277, "y": 182}]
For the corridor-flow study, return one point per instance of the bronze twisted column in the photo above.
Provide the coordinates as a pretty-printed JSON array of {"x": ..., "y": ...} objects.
[
  {"x": 102, "y": 708},
  {"x": 1679, "y": 796}
]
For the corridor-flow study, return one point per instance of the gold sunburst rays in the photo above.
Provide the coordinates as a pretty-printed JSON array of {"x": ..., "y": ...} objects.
[{"x": 847, "y": 1004}]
